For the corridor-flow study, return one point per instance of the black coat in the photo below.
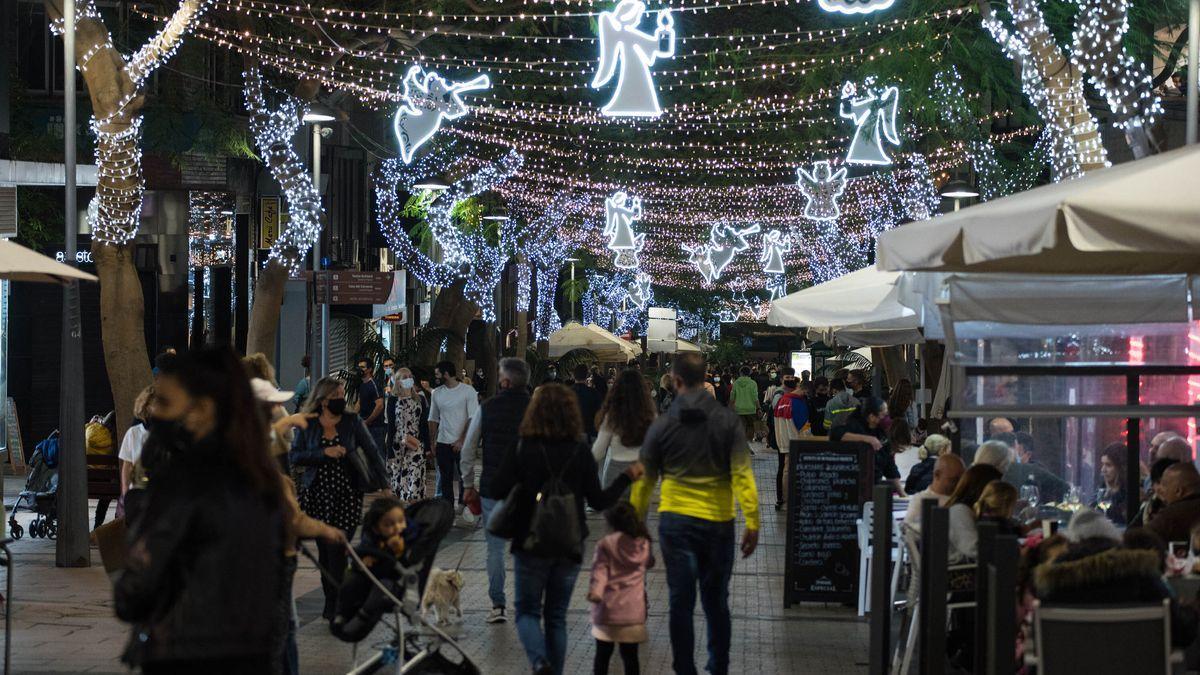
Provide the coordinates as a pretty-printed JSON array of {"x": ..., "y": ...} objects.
[
  {"x": 526, "y": 464},
  {"x": 307, "y": 451},
  {"x": 920, "y": 476},
  {"x": 1112, "y": 576},
  {"x": 501, "y": 417},
  {"x": 205, "y": 566}
]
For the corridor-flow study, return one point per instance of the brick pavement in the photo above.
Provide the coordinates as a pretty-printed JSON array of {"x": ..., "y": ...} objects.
[{"x": 63, "y": 620}]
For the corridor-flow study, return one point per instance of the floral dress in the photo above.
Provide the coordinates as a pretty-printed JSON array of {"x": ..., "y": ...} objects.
[
  {"x": 407, "y": 466},
  {"x": 331, "y": 497}
]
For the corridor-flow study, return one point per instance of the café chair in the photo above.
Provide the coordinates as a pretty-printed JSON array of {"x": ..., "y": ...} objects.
[{"x": 1070, "y": 639}]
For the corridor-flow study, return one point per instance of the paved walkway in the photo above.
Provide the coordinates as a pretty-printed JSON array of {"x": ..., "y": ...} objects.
[{"x": 63, "y": 620}]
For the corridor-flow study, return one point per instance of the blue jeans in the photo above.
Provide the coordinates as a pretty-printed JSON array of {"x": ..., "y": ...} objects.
[
  {"x": 698, "y": 552},
  {"x": 543, "y": 588},
  {"x": 495, "y": 557}
]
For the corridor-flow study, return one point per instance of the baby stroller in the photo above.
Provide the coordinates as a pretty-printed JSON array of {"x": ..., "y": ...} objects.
[
  {"x": 421, "y": 647},
  {"x": 40, "y": 494}
]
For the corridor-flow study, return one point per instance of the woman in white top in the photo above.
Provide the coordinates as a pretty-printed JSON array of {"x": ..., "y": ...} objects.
[
  {"x": 904, "y": 452},
  {"x": 624, "y": 418},
  {"x": 964, "y": 534},
  {"x": 130, "y": 453}
]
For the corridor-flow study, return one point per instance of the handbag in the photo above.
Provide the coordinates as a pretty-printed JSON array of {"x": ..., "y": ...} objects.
[
  {"x": 554, "y": 529},
  {"x": 366, "y": 477},
  {"x": 503, "y": 521}
]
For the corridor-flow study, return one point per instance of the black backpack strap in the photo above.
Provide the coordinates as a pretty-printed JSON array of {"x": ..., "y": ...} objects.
[{"x": 562, "y": 471}]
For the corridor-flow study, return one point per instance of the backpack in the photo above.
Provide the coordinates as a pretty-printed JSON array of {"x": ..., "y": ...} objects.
[{"x": 554, "y": 527}]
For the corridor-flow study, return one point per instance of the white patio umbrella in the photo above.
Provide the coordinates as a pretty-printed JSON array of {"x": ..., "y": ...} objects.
[
  {"x": 1140, "y": 217},
  {"x": 605, "y": 345},
  {"x": 861, "y": 308},
  {"x": 685, "y": 346},
  {"x": 18, "y": 263}
]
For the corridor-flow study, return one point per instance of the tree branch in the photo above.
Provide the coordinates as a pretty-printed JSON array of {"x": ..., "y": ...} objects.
[{"x": 163, "y": 45}]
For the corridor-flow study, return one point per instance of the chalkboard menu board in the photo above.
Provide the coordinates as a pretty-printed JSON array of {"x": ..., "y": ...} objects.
[{"x": 828, "y": 483}]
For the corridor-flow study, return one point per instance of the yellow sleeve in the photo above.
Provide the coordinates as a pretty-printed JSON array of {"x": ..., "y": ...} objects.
[
  {"x": 746, "y": 492},
  {"x": 639, "y": 496}
]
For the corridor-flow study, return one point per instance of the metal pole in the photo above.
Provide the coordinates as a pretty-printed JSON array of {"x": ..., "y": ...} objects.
[
  {"x": 1193, "y": 72},
  {"x": 71, "y": 548},
  {"x": 321, "y": 342},
  {"x": 935, "y": 544},
  {"x": 572, "y": 289},
  {"x": 881, "y": 582}
]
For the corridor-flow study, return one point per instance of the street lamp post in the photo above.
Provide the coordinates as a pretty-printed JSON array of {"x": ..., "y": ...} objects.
[
  {"x": 315, "y": 116},
  {"x": 958, "y": 190},
  {"x": 572, "y": 261},
  {"x": 71, "y": 547}
]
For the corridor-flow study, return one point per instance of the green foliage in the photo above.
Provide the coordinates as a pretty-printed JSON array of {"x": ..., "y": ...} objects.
[
  {"x": 727, "y": 352},
  {"x": 574, "y": 289},
  {"x": 39, "y": 217}
]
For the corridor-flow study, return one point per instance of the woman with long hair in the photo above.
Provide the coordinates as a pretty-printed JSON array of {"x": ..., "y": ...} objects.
[
  {"x": 550, "y": 449},
  {"x": 1110, "y": 499},
  {"x": 904, "y": 453},
  {"x": 624, "y": 418},
  {"x": 204, "y": 568},
  {"x": 964, "y": 535},
  {"x": 666, "y": 393},
  {"x": 331, "y": 489},
  {"x": 406, "y": 467},
  {"x": 902, "y": 403}
]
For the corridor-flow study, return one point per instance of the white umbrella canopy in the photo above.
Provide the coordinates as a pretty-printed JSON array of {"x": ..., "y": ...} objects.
[
  {"x": 18, "y": 263},
  {"x": 862, "y": 308},
  {"x": 605, "y": 345},
  {"x": 685, "y": 346},
  {"x": 1140, "y": 217}
]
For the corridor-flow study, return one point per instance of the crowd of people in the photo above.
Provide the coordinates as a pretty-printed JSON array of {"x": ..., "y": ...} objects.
[{"x": 224, "y": 473}]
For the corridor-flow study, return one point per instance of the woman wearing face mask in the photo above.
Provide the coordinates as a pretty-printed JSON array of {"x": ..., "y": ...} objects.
[
  {"x": 330, "y": 489},
  {"x": 406, "y": 468},
  {"x": 869, "y": 423},
  {"x": 202, "y": 582}
]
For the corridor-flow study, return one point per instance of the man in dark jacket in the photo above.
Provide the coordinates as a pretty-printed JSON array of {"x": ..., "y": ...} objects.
[
  {"x": 1181, "y": 492},
  {"x": 493, "y": 432},
  {"x": 589, "y": 401}
]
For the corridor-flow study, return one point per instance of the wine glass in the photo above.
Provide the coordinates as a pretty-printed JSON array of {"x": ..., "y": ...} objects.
[
  {"x": 1074, "y": 499},
  {"x": 1030, "y": 495}
]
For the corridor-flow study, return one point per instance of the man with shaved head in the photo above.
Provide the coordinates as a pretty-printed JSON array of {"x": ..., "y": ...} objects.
[
  {"x": 1176, "y": 448},
  {"x": 1156, "y": 442},
  {"x": 946, "y": 472},
  {"x": 1181, "y": 492}
]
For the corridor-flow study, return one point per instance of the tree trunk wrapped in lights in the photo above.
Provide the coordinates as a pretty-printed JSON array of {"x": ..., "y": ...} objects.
[
  {"x": 1054, "y": 86},
  {"x": 116, "y": 87},
  {"x": 1124, "y": 82},
  {"x": 274, "y": 129}
]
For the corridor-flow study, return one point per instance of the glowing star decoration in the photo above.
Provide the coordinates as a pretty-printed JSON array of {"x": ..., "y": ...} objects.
[
  {"x": 855, "y": 6},
  {"x": 429, "y": 99},
  {"x": 873, "y": 111},
  {"x": 776, "y": 286},
  {"x": 775, "y": 245},
  {"x": 640, "y": 293},
  {"x": 822, "y": 188},
  {"x": 724, "y": 242},
  {"x": 620, "y": 211},
  {"x": 620, "y": 40}
]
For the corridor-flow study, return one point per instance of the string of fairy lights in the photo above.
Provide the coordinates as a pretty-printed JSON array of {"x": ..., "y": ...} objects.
[{"x": 553, "y": 161}]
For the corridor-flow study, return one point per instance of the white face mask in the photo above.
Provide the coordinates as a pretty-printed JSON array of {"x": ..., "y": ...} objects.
[
  {"x": 717, "y": 380},
  {"x": 407, "y": 383}
]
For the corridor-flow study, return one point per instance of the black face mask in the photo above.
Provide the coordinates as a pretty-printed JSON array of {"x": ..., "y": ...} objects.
[{"x": 336, "y": 406}]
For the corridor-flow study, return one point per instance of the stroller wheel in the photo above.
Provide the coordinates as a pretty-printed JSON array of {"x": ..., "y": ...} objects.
[
  {"x": 35, "y": 529},
  {"x": 52, "y": 529},
  {"x": 14, "y": 529}
]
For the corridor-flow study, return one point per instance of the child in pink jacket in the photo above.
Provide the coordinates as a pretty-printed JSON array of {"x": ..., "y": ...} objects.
[{"x": 618, "y": 588}]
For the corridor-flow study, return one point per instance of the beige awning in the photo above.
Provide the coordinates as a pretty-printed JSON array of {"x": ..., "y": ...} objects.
[
  {"x": 605, "y": 345},
  {"x": 18, "y": 263},
  {"x": 1140, "y": 217}
]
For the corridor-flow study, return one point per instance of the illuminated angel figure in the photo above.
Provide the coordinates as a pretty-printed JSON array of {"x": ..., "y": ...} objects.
[
  {"x": 822, "y": 188},
  {"x": 639, "y": 290},
  {"x": 620, "y": 40},
  {"x": 775, "y": 245},
  {"x": 620, "y": 212},
  {"x": 874, "y": 115},
  {"x": 776, "y": 286},
  {"x": 428, "y": 100}
]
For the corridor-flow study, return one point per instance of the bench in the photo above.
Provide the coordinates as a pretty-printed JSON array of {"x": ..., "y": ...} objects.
[{"x": 103, "y": 477}]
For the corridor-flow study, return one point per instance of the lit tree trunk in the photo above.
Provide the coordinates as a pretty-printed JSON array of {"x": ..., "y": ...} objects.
[
  {"x": 115, "y": 87},
  {"x": 268, "y": 303},
  {"x": 452, "y": 312},
  {"x": 273, "y": 130},
  {"x": 1053, "y": 85}
]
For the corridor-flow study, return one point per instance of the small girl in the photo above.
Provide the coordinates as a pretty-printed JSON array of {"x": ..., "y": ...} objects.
[
  {"x": 360, "y": 603},
  {"x": 618, "y": 588}
]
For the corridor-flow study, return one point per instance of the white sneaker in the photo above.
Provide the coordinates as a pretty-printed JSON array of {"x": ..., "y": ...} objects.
[{"x": 496, "y": 615}]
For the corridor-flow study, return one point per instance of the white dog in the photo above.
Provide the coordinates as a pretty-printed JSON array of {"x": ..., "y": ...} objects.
[{"x": 442, "y": 594}]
